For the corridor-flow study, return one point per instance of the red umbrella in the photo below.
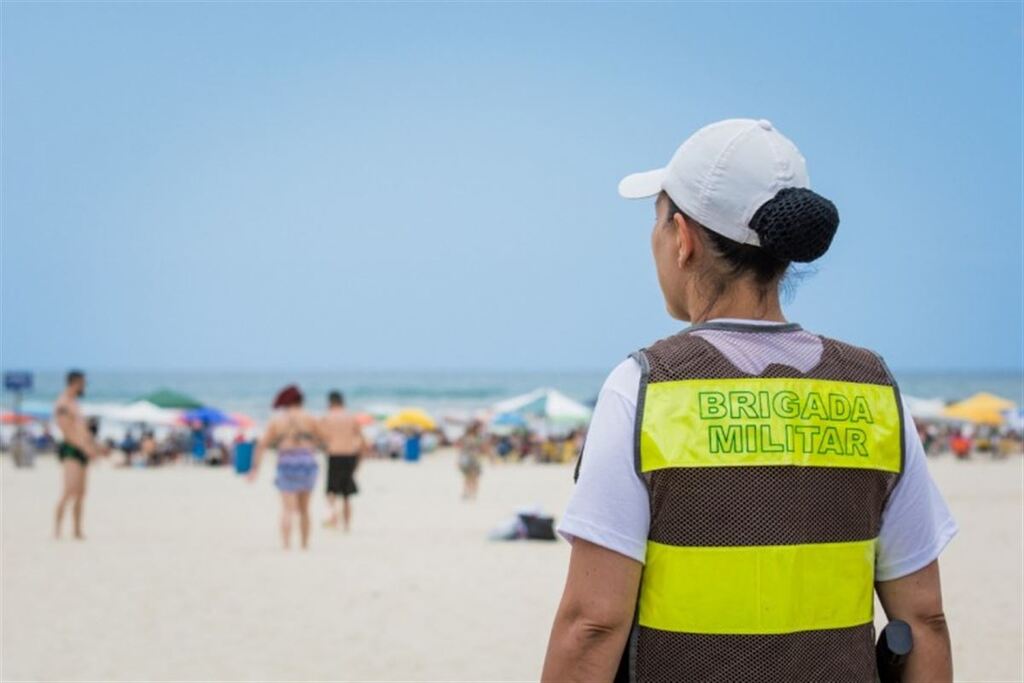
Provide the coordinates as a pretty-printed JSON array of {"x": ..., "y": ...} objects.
[
  {"x": 9, "y": 418},
  {"x": 242, "y": 420},
  {"x": 364, "y": 419}
]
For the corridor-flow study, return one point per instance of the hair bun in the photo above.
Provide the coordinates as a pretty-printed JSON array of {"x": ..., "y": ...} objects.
[{"x": 797, "y": 224}]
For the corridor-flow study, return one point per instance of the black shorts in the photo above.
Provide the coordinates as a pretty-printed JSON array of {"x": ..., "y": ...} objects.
[
  {"x": 340, "y": 469},
  {"x": 66, "y": 451}
]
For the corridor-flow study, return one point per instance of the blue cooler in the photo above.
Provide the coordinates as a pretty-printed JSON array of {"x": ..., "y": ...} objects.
[
  {"x": 412, "y": 448},
  {"x": 243, "y": 456}
]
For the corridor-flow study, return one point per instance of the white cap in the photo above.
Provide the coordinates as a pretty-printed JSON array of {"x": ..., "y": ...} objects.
[{"x": 723, "y": 174}]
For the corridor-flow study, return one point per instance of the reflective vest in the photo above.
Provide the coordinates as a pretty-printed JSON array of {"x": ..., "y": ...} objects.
[{"x": 766, "y": 499}]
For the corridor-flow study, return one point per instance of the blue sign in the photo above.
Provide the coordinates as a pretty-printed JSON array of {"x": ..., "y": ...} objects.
[{"x": 18, "y": 380}]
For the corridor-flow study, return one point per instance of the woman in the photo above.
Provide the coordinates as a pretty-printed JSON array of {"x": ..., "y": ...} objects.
[
  {"x": 294, "y": 434},
  {"x": 727, "y": 521},
  {"x": 473, "y": 446}
]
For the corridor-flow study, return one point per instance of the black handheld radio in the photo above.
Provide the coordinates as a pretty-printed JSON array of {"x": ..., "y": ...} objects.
[{"x": 892, "y": 649}]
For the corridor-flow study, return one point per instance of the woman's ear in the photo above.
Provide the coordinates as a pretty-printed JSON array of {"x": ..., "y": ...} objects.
[{"x": 686, "y": 240}]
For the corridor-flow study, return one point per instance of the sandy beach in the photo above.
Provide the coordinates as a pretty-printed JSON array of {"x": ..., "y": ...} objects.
[{"x": 182, "y": 577}]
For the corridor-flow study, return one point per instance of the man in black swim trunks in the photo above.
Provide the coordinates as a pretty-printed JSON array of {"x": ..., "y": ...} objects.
[
  {"x": 75, "y": 450},
  {"x": 344, "y": 442}
]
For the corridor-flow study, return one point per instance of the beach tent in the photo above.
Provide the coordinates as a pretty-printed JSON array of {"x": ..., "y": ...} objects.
[
  {"x": 166, "y": 398},
  {"x": 106, "y": 412},
  {"x": 510, "y": 420},
  {"x": 503, "y": 424},
  {"x": 926, "y": 408},
  {"x": 142, "y": 412},
  {"x": 411, "y": 417},
  {"x": 983, "y": 408},
  {"x": 546, "y": 403}
]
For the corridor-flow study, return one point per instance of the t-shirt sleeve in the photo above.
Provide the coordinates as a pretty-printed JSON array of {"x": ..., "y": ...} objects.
[
  {"x": 916, "y": 523},
  {"x": 609, "y": 506}
]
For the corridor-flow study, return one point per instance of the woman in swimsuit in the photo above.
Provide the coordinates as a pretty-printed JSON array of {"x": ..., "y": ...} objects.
[
  {"x": 294, "y": 434},
  {"x": 473, "y": 447}
]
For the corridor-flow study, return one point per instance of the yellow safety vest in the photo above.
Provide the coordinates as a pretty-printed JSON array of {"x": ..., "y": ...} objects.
[{"x": 766, "y": 502}]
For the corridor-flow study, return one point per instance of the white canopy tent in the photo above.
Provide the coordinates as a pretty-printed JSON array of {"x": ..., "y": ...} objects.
[
  {"x": 139, "y": 412},
  {"x": 926, "y": 408},
  {"x": 545, "y": 403}
]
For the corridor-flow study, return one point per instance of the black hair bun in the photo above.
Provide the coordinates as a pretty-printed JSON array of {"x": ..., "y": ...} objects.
[{"x": 797, "y": 224}]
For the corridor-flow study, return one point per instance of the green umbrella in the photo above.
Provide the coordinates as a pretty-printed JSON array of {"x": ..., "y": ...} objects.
[{"x": 165, "y": 398}]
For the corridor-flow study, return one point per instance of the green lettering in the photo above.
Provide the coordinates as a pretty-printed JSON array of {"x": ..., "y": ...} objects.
[
  {"x": 743, "y": 403},
  {"x": 786, "y": 404},
  {"x": 750, "y": 439},
  {"x": 725, "y": 439},
  {"x": 861, "y": 411},
  {"x": 712, "y": 405},
  {"x": 814, "y": 407},
  {"x": 855, "y": 440},
  {"x": 767, "y": 445},
  {"x": 838, "y": 407},
  {"x": 830, "y": 442},
  {"x": 806, "y": 434}
]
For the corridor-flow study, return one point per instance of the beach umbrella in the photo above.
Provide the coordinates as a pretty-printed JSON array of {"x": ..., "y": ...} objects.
[
  {"x": 242, "y": 420},
  {"x": 983, "y": 408},
  {"x": 9, "y": 418},
  {"x": 548, "y": 404},
  {"x": 208, "y": 416},
  {"x": 411, "y": 417},
  {"x": 364, "y": 419},
  {"x": 166, "y": 398}
]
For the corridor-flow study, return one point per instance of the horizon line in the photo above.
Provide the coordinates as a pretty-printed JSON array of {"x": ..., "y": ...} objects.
[{"x": 434, "y": 370}]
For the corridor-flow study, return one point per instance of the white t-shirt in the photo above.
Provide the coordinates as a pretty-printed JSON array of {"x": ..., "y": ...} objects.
[{"x": 610, "y": 507}]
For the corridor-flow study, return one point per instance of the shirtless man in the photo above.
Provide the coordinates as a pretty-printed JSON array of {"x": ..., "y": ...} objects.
[
  {"x": 74, "y": 451},
  {"x": 345, "y": 444}
]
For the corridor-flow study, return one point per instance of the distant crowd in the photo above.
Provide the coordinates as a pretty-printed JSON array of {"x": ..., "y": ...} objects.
[
  {"x": 199, "y": 443},
  {"x": 964, "y": 441}
]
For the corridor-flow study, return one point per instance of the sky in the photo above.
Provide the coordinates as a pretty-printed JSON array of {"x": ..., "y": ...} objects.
[{"x": 399, "y": 186}]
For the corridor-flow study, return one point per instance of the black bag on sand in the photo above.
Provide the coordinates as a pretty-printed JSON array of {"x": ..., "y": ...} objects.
[{"x": 539, "y": 528}]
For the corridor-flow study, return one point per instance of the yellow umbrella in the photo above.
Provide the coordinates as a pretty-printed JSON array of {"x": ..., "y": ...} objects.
[
  {"x": 411, "y": 417},
  {"x": 981, "y": 408}
]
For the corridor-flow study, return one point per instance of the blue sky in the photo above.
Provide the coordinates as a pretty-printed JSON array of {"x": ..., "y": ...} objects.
[{"x": 433, "y": 186}]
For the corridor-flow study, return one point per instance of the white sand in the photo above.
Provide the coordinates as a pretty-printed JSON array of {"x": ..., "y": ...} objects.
[{"x": 182, "y": 578}]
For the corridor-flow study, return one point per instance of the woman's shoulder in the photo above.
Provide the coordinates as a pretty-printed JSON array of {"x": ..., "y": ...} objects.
[{"x": 624, "y": 379}]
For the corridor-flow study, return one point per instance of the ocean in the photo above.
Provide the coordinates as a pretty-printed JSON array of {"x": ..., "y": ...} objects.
[{"x": 435, "y": 391}]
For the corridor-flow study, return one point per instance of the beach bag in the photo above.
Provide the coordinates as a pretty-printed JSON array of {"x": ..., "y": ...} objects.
[{"x": 538, "y": 527}]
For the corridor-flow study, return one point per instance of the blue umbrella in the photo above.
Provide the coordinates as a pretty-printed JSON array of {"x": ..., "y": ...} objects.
[
  {"x": 509, "y": 420},
  {"x": 208, "y": 416}
]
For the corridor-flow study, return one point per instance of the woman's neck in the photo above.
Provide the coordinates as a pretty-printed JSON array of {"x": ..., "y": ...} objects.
[{"x": 744, "y": 301}]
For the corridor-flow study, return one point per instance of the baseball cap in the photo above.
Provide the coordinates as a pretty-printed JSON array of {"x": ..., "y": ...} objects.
[{"x": 724, "y": 173}]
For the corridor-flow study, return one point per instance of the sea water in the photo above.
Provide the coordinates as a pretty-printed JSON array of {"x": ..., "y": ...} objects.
[{"x": 436, "y": 391}]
